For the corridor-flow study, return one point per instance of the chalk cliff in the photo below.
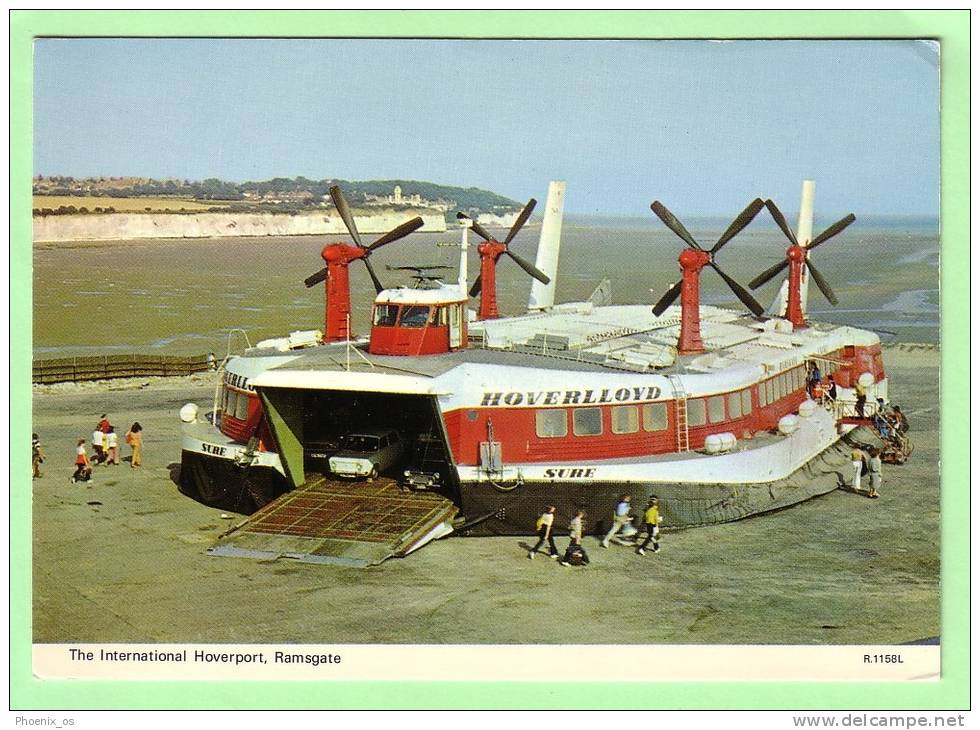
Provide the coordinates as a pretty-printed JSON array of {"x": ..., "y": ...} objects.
[{"x": 128, "y": 226}]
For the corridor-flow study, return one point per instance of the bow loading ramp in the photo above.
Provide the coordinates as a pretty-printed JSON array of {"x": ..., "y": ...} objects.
[{"x": 351, "y": 523}]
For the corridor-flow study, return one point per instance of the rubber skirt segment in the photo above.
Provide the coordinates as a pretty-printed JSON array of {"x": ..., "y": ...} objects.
[
  {"x": 681, "y": 505},
  {"x": 221, "y": 484}
]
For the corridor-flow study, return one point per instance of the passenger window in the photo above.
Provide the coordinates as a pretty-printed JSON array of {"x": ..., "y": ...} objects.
[
  {"x": 770, "y": 391},
  {"x": 735, "y": 405},
  {"x": 413, "y": 316},
  {"x": 625, "y": 419},
  {"x": 385, "y": 315},
  {"x": 746, "y": 401},
  {"x": 551, "y": 423},
  {"x": 241, "y": 407},
  {"x": 442, "y": 316},
  {"x": 231, "y": 398},
  {"x": 716, "y": 408},
  {"x": 655, "y": 417},
  {"x": 587, "y": 421},
  {"x": 695, "y": 412}
]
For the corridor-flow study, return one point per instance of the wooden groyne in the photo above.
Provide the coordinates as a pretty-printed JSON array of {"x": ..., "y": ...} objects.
[{"x": 104, "y": 367}]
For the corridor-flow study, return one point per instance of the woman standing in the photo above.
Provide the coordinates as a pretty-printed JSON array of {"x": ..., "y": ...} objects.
[{"x": 134, "y": 437}]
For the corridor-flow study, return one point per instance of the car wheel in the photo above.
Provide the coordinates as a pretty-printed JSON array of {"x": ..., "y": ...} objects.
[{"x": 374, "y": 472}]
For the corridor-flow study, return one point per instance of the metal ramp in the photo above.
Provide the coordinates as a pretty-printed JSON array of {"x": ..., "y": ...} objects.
[{"x": 355, "y": 524}]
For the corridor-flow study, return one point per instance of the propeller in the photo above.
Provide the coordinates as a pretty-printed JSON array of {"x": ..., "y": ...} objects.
[
  {"x": 743, "y": 219},
  {"x": 519, "y": 260},
  {"x": 340, "y": 202},
  {"x": 818, "y": 279}
]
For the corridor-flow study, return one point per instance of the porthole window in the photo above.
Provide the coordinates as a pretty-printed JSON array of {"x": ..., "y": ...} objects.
[
  {"x": 655, "y": 417},
  {"x": 551, "y": 423},
  {"x": 625, "y": 419},
  {"x": 716, "y": 408},
  {"x": 587, "y": 421},
  {"x": 695, "y": 412},
  {"x": 471, "y": 415}
]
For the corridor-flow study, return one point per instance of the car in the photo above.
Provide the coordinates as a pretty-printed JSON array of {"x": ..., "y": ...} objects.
[{"x": 367, "y": 453}]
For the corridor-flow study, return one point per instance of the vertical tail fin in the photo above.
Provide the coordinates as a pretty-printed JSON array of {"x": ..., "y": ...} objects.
[{"x": 543, "y": 295}]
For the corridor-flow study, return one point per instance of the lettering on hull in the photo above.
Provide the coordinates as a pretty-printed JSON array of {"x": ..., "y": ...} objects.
[
  {"x": 213, "y": 450},
  {"x": 569, "y": 397},
  {"x": 563, "y": 472}
]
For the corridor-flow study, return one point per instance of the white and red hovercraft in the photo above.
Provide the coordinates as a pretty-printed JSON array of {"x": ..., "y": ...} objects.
[{"x": 570, "y": 404}]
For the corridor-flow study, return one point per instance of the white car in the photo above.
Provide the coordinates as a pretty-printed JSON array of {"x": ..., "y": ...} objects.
[{"x": 367, "y": 453}]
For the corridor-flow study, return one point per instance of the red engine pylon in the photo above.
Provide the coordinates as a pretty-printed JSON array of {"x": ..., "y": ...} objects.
[
  {"x": 490, "y": 252},
  {"x": 338, "y": 257},
  {"x": 692, "y": 260},
  {"x": 798, "y": 258}
]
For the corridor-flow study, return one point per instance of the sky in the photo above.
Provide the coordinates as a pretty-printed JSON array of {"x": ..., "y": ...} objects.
[{"x": 703, "y": 126}]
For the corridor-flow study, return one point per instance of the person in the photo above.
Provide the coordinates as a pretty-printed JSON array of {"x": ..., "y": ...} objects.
[
  {"x": 37, "y": 457},
  {"x": 134, "y": 437},
  {"x": 544, "y": 525},
  {"x": 814, "y": 379},
  {"x": 621, "y": 518},
  {"x": 901, "y": 422},
  {"x": 98, "y": 446},
  {"x": 858, "y": 459},
  {"x": 112, "y": 446},
  {"x": 212, "y": 361},
  {"x": 104, "y": 425},
  {"x": 831, "y": 388},
  {"x": 652, "y": 520},
  {"x": 874, "y": 473},
  {"x": 879, "y": 421},
  {"x": 83, "y": 468},
  {"x": 575, "y": 554},
  {"x": 862, "y": 395}
]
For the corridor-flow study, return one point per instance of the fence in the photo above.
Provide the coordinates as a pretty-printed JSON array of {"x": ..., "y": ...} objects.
[{"x": 99, "y": 367}]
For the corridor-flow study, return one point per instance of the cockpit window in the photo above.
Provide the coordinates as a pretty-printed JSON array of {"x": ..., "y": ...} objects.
[
  {"x": 414, "y": 316},
  {"x": 385, "y": 315}
]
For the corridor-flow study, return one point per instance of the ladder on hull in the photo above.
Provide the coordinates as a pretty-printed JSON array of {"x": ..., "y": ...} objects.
[{"x": 680, "y": 413}]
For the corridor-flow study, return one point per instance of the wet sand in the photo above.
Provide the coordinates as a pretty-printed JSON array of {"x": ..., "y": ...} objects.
[{"x": 121, "y": 559}]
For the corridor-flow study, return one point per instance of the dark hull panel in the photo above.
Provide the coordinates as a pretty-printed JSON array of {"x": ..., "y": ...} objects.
[
  {"x": 681, "y": 505},
  {"x": 220, "y": 483}
]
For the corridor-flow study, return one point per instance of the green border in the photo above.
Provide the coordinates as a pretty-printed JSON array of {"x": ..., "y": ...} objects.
[{"x": 950, "y": 27}]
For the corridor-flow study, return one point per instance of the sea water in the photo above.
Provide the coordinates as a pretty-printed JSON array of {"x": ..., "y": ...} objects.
[{"x": 184, "y": 296}]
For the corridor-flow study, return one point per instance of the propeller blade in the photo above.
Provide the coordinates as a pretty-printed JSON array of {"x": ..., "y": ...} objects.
[
  {"x": 822, "y": 283},
  {"x": 741, "y": 292},
  {"x": 521, "y": 220},
  {"x": 319, "y": 276},
  {"x": 673, "y": 224},
  {"x": 374, "y": 277},
  {"x": 781, "y": 222},
  {"x": 476, "y": 227},
  {"x": 667, "y": 299},
  {"x": 477, "y": 285},
  {"x": 744, "y": 218},
  {"x": 768, "y": 274},
  {"x": 340, "y": 203},
  {"x": 832, "y": 231},
  {"x": 529, "y": 267},
  {"x": 395, "y": 233}
]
